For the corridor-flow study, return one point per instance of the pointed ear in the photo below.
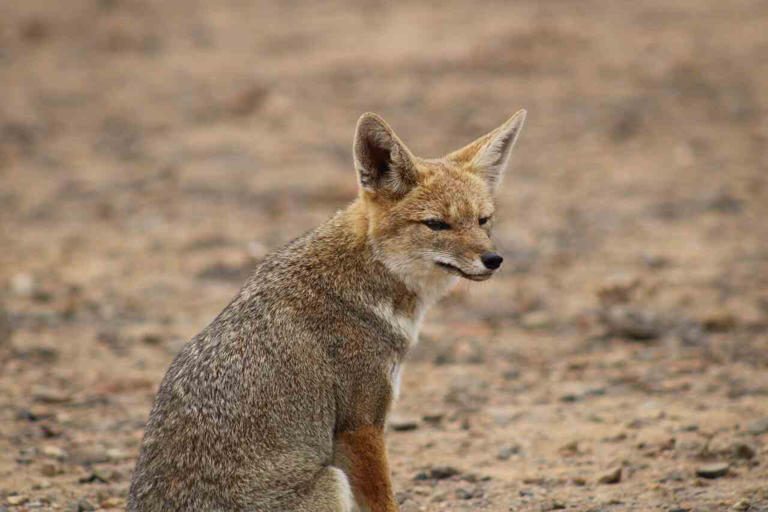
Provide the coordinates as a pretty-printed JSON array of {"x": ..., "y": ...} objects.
[
  {"x": 383, "y": 164},
  {"x": 488, "y": 156}
]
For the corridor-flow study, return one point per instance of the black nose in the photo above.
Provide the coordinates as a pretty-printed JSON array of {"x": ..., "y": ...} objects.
[{"x": 491, "y": 260}]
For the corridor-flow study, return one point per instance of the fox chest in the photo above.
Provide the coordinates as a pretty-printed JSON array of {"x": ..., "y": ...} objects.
[{"x": 407, "y": 327}]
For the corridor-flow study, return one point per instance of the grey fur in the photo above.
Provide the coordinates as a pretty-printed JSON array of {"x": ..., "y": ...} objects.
[{"x": 246, "y": 415}]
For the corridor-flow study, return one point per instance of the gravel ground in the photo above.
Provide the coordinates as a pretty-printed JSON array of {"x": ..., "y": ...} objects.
[{"x": 151, "y": 153}]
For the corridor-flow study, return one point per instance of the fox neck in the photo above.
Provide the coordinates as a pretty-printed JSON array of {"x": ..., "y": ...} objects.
[{"x": 427, "y": 284}]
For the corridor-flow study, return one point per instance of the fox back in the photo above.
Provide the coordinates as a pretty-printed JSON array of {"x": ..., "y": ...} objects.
[{"x": 280, "y": 403}]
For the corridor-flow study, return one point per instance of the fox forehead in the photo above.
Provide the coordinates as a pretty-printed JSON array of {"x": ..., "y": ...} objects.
[{"x": 449, "y": 192}]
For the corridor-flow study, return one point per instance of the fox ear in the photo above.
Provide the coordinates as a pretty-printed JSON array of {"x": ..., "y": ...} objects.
[
  {"x": 383, "y": 163},
  {"x": 488, "y": 156}
]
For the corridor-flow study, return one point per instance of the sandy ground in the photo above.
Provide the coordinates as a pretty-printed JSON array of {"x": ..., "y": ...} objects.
[{"x": 152, "y": 152}]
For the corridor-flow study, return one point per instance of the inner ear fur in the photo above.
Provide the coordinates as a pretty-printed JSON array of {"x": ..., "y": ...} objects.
[
  {"x": 488, "y": 155},
  {"x": 383, "y": 163}
]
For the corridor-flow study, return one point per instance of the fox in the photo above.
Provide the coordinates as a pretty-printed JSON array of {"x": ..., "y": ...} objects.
[{"x": 280, "y": 404}]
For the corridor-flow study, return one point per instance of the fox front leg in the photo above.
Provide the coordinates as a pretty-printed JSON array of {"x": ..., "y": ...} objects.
[{"x": 363, "y": 454}]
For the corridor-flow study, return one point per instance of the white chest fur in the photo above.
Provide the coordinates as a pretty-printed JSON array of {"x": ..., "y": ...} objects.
[
  {"x": 406, "y": 325},
  {"x": 394, "y": 379}
]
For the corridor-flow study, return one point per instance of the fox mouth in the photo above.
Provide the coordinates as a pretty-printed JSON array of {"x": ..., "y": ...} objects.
[{"x": 456, "y": 270}]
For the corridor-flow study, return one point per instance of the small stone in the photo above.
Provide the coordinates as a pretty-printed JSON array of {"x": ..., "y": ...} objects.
[
  {"x": 743, "y": 451},
  {"x": 439, "y": 497},
  {"x": 112, "y": 502},
  {"x": 82, "y": 505},
  {"x": 95, "y": 477},
  {"x": 402, "y": 496},
  {"x": 570, "y": 448},
  {"x": 50, "y": 431},
  {"x": 536, "y": 320},
  {"x": 23, "y": 284},
  {"x": 443, "y": 472},
  {"x": 433, "y": 417},
  {"x": 741, "y": 506},
  {"x": 655, "y": 260},
  {"x": 714, "y": 470},
  {"x": 16, "y": 499},
  {"x": 117, "y": 455},
  {"x": 506, "y": 452},
  {"x": 50, "y": 470},
  {"x": 634, "y": 324},
  {"x": 152, "y": 339},
  {"x": 90, "y": 455},
  {"x": 719, "y": 321},
  {"x": 758, "y": 427},
  {"x": 464, "y": 494},
  {"x": 403, "y": 423},
  {"x": 610, "y": 477},
  {"x": 51, "y": 396},
  {"x": 53, "y": 452}
]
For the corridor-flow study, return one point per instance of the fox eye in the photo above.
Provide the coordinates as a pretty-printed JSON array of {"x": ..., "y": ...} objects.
[
  {"x": 483, "y": 220},
  {"x": 436, "y": 224}
]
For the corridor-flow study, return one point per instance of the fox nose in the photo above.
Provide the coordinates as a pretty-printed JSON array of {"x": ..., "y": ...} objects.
[{"x": 491, "y": 260}]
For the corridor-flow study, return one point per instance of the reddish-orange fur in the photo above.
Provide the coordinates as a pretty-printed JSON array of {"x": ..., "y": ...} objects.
[{"x": 364, "y": 455}]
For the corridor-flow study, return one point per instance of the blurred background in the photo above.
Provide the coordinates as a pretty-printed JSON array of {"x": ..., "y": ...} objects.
[{"x": 152, "y": 152}]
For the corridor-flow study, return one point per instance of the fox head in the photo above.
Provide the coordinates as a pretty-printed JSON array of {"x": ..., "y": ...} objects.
[{"x": 431, "y": 219}]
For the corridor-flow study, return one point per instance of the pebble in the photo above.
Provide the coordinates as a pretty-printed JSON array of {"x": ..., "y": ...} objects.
[
  {"x": 758, "y": 427},
  {"x": 610, "y": 477},
  {"x": 743, "y": 451},
  {"x": 403, "y": 423},
  {"x": 463, "y": 494},
  {"x": 91, "y": 455},
  {"x": 714, "y": 470},
  {"x": 51, "y": 396},
  {"x": 117, "y": 455},
  {"x": 16, "y": 499},
  {"x": 112, "y": 502},
  {"x": 506, "y": 452},
  {"x": 51, "y": 470},
  {"x": 95, "y": 477},
  {"x": 53, "y": 452},
  {"x": 741, "y": 506},
  {"x": 536, "y": 320},
  {"x": 23, "y": 284},
  {"x": 434, "y": 417},
  {"x": 82, "y": 505},
  {"x": 719, "y": 321},
  {"x": 442, "y": 472},
  {"x": 634, "y": 324}
]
